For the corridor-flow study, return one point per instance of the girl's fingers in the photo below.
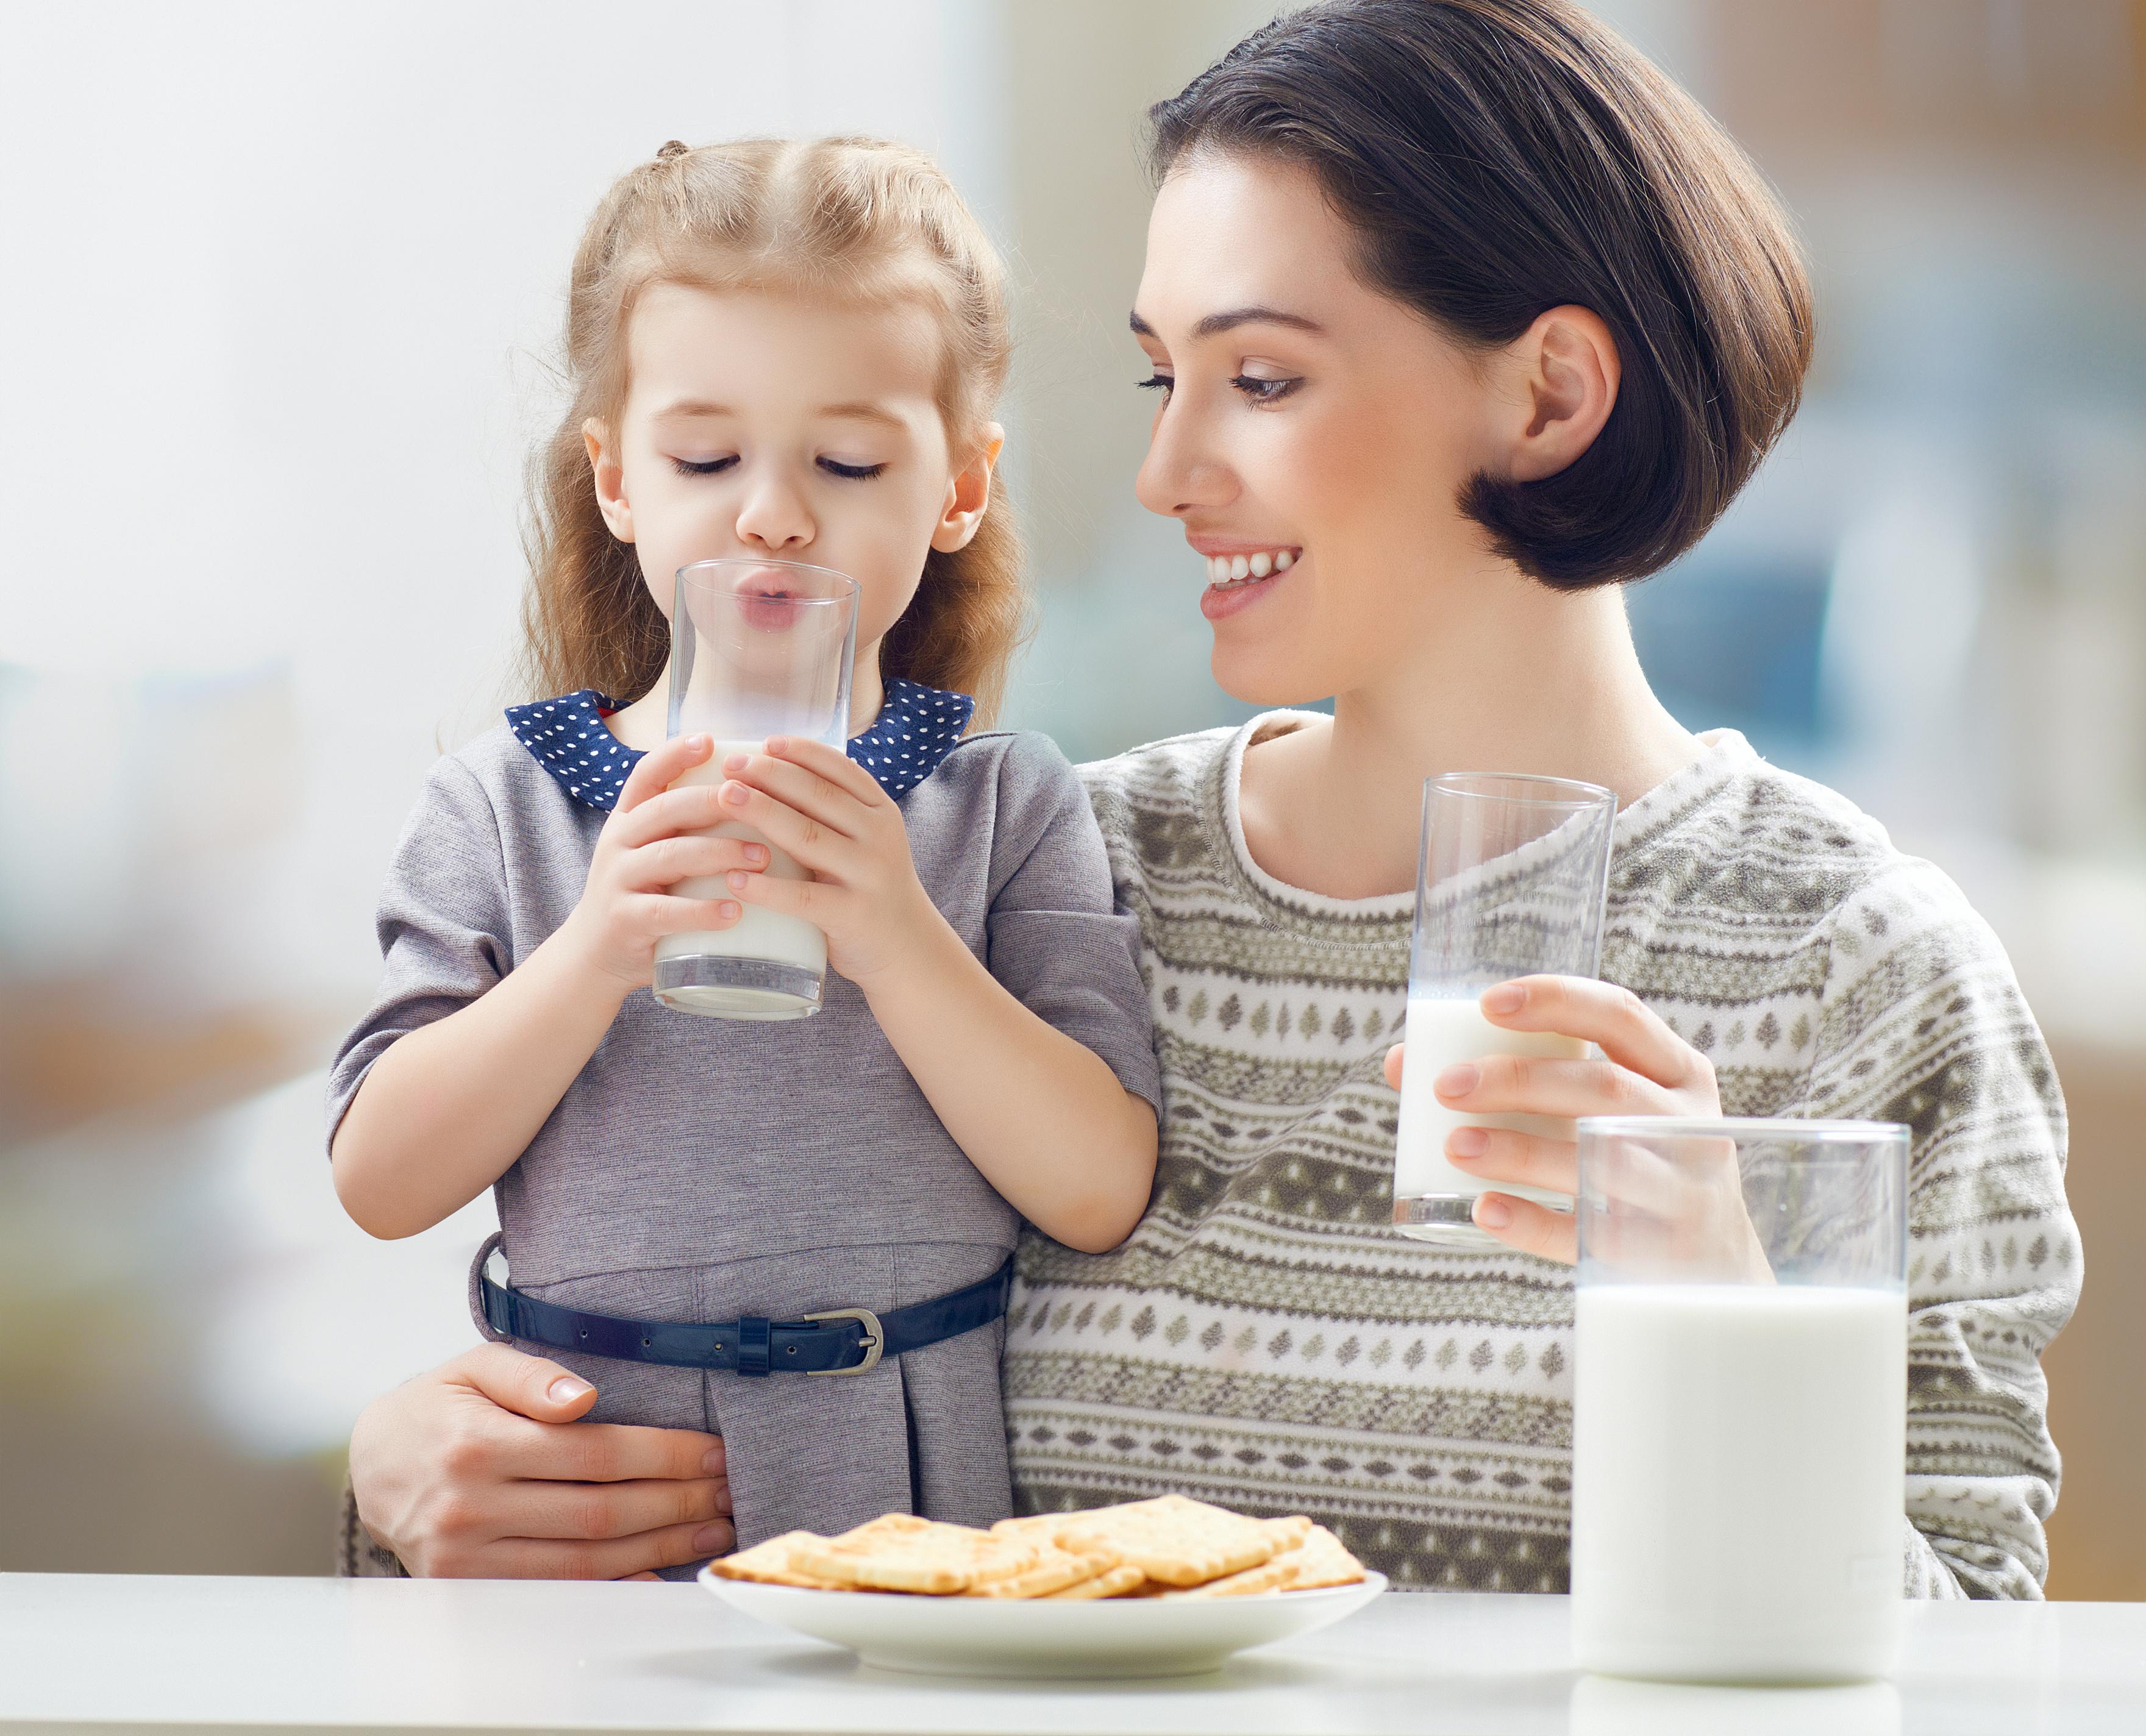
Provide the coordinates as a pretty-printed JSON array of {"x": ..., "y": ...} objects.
[
  {"x": 667, "y": 915},
  {"x": 1529, "y": 1228},
  {"x": 1614, "y": 1019},
  {"x": 797, "y": 787},
  {"x": 804, "y": 898},
  {"x": 811, "y": 843},
  {"x": 659, "y": 766},
  {"x": 692, "y": 855},
  {"x": 1393, "y": 1065},
  {"x": 668, "y": 812},
  {"x": 1525, "y": 1085},
  {"x": 838, "y": 768}
]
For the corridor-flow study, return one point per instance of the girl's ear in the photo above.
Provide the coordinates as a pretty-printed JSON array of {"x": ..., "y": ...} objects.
[
  {"x": 969, "y": 495},
  {"x": 1560, "y": 385},
  {"x": 609, "y": 478}
]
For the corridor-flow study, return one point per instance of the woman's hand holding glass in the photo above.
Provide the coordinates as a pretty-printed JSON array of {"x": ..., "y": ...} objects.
[
  {"x": 1643, "y": 1068},
  {"x": 656, "y": 837},
  {"x": 830, "y": 814}
]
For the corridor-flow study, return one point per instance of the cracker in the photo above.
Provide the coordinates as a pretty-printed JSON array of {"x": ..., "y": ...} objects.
[
  {"x": 1054, "y": 1570},
  {"x": 1273, "y": 1574},
  {"x": 902, "y": 1552},
  {"x": 1322, "y": 1558},
  {"x": 1125, "y": 1580},
  {"x": 774, "y": 1563},
  {"x": 1173, "y": 1539}
]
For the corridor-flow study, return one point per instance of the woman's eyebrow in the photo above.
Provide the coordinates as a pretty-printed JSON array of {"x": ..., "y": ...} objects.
[{"x": 1216, "y": 324}]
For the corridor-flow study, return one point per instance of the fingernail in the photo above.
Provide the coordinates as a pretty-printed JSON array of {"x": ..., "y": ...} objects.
[
  {"x": 711, "y": 1537},
  {"x": 1467, "y": 1142},
  {"x": 737, "y": 762},
  {"x": 778, "y": 744},
  {"x": 1507, "y": 997},
  {"x": 728, "y": 911},
  {"x": 1458, "y": 1080},
  {"x": 566, "y": 1389},
  {"x": 714, "y": 1462},
  {"x": 755, "y": 853},
  {"x": 737, "y": 878},
  {"x": 734, "y": 794},
  {"x": 1492, "y": 1212},
  {"x": 701, "y": 743}
]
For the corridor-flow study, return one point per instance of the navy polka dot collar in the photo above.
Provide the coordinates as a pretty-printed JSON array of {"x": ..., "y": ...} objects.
[{"x": 918, "y": 726}]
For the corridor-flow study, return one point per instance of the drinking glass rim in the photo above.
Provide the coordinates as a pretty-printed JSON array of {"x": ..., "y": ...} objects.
[
  {"x": 1594, "y": 797},
  {"x": 1777, "y": 1127},
  {"x": 684, "y": 575}
]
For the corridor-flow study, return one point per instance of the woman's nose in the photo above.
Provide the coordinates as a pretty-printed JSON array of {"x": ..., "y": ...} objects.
[
  {"x": 775, "y": 516},
  {"x": 1179, "y": 473}
]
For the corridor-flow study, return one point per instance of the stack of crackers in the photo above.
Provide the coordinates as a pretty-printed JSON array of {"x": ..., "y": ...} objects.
[{"x": 1170, "y": 1547}]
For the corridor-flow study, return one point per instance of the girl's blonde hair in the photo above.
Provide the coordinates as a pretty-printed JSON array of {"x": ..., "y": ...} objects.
[{"x": 851, "y": 217}]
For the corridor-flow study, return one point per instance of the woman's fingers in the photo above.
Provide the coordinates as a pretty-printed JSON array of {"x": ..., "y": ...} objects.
[
  {"x": 1529, "y": 1228},
  {"x": 528, "y": 1386},
  {"x": 600, "y": 1512},
  {"x": 1499, "y": 1155},
  {"x": 606, "y": 1453},
  {"x": 1614, "y": 1019},
  {"x": 1527, "y": 1084},
  {"x": 515, "y": 1558}
]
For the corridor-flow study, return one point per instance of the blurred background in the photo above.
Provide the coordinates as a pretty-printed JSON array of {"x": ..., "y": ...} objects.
[{"x": 277, "y": 336}]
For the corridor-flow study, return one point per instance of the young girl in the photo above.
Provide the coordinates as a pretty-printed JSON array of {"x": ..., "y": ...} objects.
[{"x": 786, "y": 350}]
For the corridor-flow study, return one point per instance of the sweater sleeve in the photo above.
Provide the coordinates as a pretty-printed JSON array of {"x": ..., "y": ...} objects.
[
  {"x": 445, "y": 932},
  {"x": 1921, "y": 1021}
]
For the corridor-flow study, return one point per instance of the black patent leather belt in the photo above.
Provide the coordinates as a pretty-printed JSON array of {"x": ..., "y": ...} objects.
[{"x": 835, "y": 1341}]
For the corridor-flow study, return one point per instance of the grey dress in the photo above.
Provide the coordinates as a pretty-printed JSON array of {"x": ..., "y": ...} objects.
[{"x": 702, "y": 1169}]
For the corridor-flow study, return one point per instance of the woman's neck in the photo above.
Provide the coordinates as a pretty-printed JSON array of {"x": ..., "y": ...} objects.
[
  {"x": 1527, "y": 680},
  {"x": 642, "y": 725}
]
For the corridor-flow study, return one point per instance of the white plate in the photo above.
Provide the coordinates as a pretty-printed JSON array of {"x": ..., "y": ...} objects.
[{"x": 1008, "y": 1637}]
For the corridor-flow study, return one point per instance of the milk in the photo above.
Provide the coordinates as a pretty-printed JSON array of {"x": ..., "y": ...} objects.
[
  {"x": 1739, "y": 1474},
  {"x": 769, "y": 936},
  {"x": 1439, "y": 1033}
]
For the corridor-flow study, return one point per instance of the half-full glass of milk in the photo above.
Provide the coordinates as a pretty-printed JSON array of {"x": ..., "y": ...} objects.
[
  {"x": 1511, "y": 881},
  {"x": 1740, "y": 1398},
  {"x": 758, "y": 648}
]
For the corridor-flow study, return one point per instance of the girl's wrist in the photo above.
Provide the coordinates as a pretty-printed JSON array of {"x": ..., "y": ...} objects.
[
  {"x": 917, "y": 953},
  {"x": 570, "y": 952}
]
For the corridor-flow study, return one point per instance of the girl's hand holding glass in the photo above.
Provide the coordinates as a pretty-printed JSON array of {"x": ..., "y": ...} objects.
[
  {"x": 831, "y": 816},
  {"x": 1643, "y": 1068},
  {"x": 654, "y": 839}
]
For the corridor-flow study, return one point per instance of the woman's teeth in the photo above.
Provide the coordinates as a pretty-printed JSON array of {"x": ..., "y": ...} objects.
[{"x": 1237, "y": 569}]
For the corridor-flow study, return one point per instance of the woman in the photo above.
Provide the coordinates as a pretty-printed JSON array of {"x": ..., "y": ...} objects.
[{"x": 1460, "y": 315}]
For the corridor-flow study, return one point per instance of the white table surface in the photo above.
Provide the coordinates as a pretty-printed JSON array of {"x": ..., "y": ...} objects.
[{"x": 126, "y": 1651}]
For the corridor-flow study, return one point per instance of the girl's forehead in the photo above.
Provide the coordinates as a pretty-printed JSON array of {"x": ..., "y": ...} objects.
[{"x": 685, "y": 338}]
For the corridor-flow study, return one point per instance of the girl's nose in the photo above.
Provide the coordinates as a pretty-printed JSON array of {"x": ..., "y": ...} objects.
[
  {"x": 776, "y": 517},
  {"x": 1181, "y": 473}
]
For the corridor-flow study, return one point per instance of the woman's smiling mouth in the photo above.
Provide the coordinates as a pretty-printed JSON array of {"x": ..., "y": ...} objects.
[{"x": 1239, "y": 572}]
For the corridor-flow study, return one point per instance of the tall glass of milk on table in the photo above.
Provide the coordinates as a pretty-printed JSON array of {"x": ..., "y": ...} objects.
[
  {"x": 1739, "y": 1399},
  {"x": 1511, "y": 882},
  {"x": 758, "y": 648}
]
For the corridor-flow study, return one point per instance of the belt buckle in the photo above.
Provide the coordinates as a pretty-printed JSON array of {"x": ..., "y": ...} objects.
[{"x": 874, "y": 1339}]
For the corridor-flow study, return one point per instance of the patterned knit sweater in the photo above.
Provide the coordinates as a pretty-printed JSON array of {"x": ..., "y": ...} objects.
[{"x": 1266, "y": 1339}]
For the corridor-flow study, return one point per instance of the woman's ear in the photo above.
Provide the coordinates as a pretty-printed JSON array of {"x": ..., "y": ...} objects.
[
  {"x": 1561, "y": 375},
  {"x": 609, "y": 478},
  {"x": 969, "y": 495}
]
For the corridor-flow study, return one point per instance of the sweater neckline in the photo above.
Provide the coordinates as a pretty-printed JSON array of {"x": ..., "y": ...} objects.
[{"x": 1379, "y": 920}]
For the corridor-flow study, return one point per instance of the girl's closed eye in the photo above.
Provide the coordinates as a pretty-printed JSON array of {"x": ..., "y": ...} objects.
[
  {"x": 850, "y": 472},
  {"x": 703, "y": 466}
]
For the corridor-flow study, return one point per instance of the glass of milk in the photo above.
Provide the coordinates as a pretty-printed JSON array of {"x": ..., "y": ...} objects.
[
  {"x": 1739, "y": 1399},
  {"x": 1511, "y": 882},
  {"x": 758, "y": 648}
]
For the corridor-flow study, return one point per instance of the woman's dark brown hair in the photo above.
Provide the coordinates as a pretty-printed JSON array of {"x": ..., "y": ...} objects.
[{"x": 1499, "y": 158}]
